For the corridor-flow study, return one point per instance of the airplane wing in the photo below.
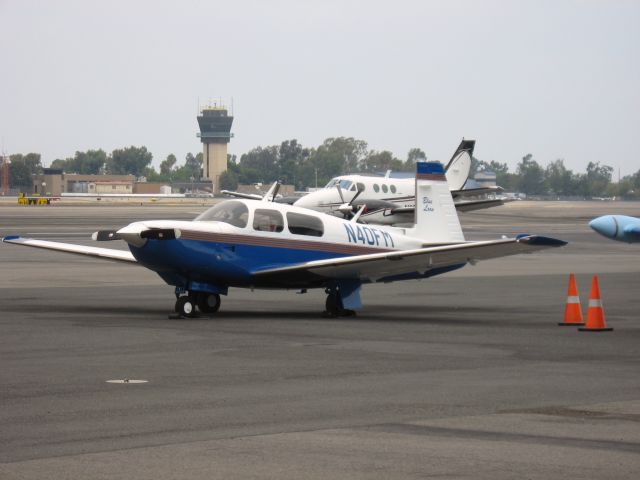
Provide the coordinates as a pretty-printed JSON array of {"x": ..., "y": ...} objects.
[
  {"x": 103, "y": 253},
  {"x": 471, "y": 205},
  {"x": 248, "y": 196},
  {"x": 380, "y": 267},
  {"x": 471, "y": 192}
]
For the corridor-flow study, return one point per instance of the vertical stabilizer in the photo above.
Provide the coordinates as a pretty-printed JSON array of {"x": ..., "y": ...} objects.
[
  {"x": 458, "y": 168},
  {"x": 436, "y": 219}
]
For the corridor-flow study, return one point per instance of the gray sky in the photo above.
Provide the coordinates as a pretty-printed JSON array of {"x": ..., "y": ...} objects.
[{"x": 558, "y": 79}]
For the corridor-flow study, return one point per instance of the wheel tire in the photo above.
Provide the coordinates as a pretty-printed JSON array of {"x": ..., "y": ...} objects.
[
  {"x": 208, "y": 302},
  {"x": 333, "y": 304},
  {"x": 186, "y": 307}
]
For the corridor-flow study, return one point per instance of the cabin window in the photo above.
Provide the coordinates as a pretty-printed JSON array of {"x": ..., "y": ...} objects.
[
  {"x": 385, "y": 189},
  {"x": 393, "y": 188},
  {"x": 267, "y": 220},
  {"x": 376, "y": 187},
  {"x": 232, "y": 212},
  {"x": 301, "y": 224},
  {"x": 353, "y": 187}
]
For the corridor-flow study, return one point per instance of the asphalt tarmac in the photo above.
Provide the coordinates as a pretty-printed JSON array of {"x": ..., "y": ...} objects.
[{"x": 465, "y": 375}]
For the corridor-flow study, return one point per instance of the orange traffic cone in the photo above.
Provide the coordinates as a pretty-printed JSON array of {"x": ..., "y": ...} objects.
[
  {"x": 572, "y": 310},
  {"x": 595, "y": 313}
]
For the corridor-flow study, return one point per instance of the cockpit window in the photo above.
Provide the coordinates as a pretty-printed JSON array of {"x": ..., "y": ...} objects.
[
  {"x": 344, "y": 184},
  {"x": 232, "y": 212},
  {"x": 267, "y": 220}
]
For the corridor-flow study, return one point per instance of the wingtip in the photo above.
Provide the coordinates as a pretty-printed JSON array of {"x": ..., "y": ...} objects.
[
  {"x": 8, "y": 238},
  {"x": 541, "y": 241}
]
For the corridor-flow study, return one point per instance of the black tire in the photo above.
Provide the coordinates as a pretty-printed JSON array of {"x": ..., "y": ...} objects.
[
  {"x": 333, "y": 304},
  {"x": 185, "y": 306},
  {"x": 208, "y": 302}
]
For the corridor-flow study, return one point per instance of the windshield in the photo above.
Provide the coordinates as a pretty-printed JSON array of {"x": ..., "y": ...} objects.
[
  {"x": 232, "y": 212},
  {"x": 344, "y": 184}
]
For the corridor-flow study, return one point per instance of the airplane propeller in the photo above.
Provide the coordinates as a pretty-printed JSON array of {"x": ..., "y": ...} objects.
[{"x": 349, "y": 208}]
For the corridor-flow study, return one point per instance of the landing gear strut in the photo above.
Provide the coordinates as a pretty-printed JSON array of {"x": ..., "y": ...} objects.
[{"x": 205, "y": 302}]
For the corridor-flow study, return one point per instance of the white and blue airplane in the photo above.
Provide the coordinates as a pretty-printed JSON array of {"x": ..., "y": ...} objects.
[
  {"x": 260, "y": 244},
  {"x": 618, "y": 227}
]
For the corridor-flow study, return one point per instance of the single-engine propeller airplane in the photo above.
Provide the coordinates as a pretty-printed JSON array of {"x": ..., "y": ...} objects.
[{"x": 260, "y": 244}]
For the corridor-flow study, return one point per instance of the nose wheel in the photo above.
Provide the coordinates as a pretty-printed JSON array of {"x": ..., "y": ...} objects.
[{"x": 205, "y": 302}]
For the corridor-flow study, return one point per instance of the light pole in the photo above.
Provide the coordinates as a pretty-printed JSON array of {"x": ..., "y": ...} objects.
[{"x": 192, "y": 179}]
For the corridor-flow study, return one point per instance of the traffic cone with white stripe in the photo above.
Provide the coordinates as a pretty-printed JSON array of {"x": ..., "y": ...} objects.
[
  {"x": 595, "y": 313},
  {"x": 572, "y": 309}
]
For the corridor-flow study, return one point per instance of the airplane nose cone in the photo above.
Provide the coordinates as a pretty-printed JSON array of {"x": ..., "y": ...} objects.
[{"x": 606, "y": 226}]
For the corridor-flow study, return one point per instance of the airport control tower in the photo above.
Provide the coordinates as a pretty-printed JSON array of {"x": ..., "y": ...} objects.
[{"x": 215, "y": 133}]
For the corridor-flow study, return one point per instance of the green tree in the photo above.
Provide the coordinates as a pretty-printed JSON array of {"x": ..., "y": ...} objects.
[
  {"x": 598, "y": 179},
  {"x": 415, "y": 155},
  {"x": 22, "y": 169},
  {"x": 228, "y": 180},
  {"x": 531, "y": 176},
  {"x": 91, "y": 162},
  {"x": 559, "y": 180},
  {"x": 259, "y": 165},
  {"x": 381, "y": 162},
  {"x": 129, "y": 161},
  {"x": 166, "y": 166}
]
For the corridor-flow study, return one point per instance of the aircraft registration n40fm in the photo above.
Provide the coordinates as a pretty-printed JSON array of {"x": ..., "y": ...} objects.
[{"x": 261, "y": 244}]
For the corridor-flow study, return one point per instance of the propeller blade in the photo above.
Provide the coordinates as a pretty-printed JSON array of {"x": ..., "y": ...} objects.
[{"x": 105, "y": 235}]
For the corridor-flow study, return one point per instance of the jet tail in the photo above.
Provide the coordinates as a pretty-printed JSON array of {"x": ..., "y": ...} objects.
[
  {"x": 436, "y": 219},
  {"x": 458, "y": 168}
]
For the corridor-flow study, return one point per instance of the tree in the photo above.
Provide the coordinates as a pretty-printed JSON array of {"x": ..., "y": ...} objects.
[
  {"x": 381, "y": 161},
  {"x": 531, "y": 176},
  {"x": 291, "y": 159},
  {"x": 22, "y": 169},
  {"x": 259, "y": 165},
  {"x": 90, "y": 162},
  {"x": 129, "y": 161},
  {"x": 166, "y": 166},
  {"x": 559, "y": 180},
  {"x": 228, "y": 180},
  {"x": 415, "y": 155},
  {"x": 598, "y": 179}
]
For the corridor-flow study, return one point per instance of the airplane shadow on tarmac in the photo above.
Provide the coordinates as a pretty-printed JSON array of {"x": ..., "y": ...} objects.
[{"x": 95, "y": 314}]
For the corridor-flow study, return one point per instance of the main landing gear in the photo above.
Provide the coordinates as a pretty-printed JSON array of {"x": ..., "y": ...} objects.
[
  {"x": 333, "y": 305},
  {"x": 205, "y": 302}
]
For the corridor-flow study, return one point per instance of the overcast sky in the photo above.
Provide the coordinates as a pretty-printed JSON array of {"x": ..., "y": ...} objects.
[{"x": 558, "y": 79}]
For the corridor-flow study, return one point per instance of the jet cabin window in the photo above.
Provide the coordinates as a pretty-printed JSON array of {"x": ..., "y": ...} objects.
[
  {"x": 232, "y": 212},
  {"x": 268, "y": 220},
  {"x": 305, "y": 224}
]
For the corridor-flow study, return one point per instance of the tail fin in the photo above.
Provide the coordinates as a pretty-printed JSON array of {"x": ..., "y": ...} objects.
[
  {"x": 458, "y": 168},
  {"x": 436, "y": 219}
]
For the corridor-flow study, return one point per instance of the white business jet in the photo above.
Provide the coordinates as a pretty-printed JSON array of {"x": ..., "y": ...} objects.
[{"x": 260, "y": 244}]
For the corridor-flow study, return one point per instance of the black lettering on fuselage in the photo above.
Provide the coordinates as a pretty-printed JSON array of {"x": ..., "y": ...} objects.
[{"x": 368, "y": 235}]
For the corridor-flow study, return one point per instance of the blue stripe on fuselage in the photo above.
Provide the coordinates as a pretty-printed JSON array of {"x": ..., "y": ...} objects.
[{"x": 220, "y": 263}]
